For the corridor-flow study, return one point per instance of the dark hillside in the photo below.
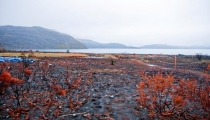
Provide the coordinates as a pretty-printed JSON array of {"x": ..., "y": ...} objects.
[{"x": 15, "y": 37}]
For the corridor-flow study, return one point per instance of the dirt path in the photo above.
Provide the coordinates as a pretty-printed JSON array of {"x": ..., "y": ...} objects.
[{"x": 198, "y": 73}]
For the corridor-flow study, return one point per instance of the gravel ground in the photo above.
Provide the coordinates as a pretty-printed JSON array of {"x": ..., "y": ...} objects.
[{"x": 95, "y": 89}]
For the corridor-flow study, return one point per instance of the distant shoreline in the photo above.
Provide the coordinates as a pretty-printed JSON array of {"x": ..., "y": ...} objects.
[
  {"x": 78, "y": 54},
  {"x": 126, "y": 51}
]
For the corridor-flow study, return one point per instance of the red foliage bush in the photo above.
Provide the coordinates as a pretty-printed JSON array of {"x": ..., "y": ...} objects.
[
  {"x": 27, "y": 71},
  {"x": 5, "y": 76},
  {"x": 163, "y": 96},
  {"x": 62, "y": 92}
]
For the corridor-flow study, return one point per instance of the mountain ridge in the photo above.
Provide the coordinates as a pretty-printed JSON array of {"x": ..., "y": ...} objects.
[
  {"x": 36, "y": 37},
  {"x": 94, "y": 44},
  {"x": 18, "y": 37}
]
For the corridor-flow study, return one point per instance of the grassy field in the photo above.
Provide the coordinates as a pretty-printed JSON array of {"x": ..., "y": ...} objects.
[{"x": 40, "y": 54}]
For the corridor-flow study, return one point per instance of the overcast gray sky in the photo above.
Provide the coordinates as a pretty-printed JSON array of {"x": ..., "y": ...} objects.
[{"x": 130, "y": 22}]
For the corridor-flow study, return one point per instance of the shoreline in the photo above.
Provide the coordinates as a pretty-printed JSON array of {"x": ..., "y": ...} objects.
[{"x": 130, "y": 51}]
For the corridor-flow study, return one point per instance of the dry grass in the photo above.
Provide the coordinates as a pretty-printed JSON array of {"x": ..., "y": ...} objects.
[
  {"x": 40, "y": 54},
  {"x": 110, "y": 56}
]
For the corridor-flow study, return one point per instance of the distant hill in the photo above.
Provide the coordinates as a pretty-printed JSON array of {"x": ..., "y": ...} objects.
[
  {"x": 93, "y": 44},
  {"x": 163, "y": 46},
  {"x": 158, "y": 46},
  {"x": 16, "y": 37}
]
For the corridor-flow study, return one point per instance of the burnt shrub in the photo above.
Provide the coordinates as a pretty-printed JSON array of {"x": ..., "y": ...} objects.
[{"x": 199, "y": 56}]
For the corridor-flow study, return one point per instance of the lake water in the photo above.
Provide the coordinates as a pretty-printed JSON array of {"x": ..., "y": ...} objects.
[{"x": 132, "y": 51}]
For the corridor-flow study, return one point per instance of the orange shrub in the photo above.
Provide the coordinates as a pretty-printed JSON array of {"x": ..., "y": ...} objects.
[
  {"x": 5, "y": 76},
  {"x": 62, "y": 92},
  {"x": 164, "y": 96},
  {"x": 27, "y": 71},
  {"x": 15, "y": 81},
  {"x": 178, "y": 100},
  {"x": 6, "y": 79}
]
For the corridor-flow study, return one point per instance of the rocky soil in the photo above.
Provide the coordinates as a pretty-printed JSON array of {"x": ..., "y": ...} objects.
[{"x": 96, "y": 87}]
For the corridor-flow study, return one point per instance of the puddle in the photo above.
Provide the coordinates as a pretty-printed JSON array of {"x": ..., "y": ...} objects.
[{"x": 151, "y": 65}]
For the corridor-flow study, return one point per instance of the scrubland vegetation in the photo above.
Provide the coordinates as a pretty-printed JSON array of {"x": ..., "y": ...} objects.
[
  {"x": 105, "y": 87},
  {"x": 41, "y": 54}
]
